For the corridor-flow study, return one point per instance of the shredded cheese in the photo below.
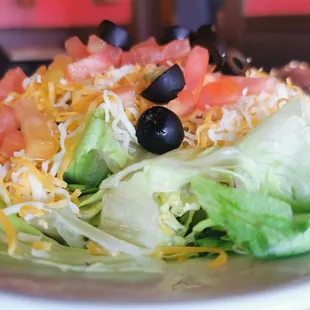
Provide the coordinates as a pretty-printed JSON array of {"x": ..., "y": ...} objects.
[
  {"x": 219, "y": 261},
  {"x": 94, "y": 249},
  {"x": 41, "y": 245},
  {"x": 10, "y": 232},
  {"x": 40, "y": 249},
  {"x": 15, "y": 209},
  {"x": 44, "y": 178},
  {"x": 30, "y": 209}
]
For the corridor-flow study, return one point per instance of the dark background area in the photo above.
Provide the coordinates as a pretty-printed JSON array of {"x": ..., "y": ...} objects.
[{"x": 274, "y": 41}]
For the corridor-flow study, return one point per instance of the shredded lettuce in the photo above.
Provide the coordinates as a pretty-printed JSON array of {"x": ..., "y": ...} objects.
[
  {"x": 150, "y": 204},
  {"x": 176, "y": 213}
]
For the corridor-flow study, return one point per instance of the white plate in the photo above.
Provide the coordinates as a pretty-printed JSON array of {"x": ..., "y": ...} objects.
[{"x": 240, "y": 284}]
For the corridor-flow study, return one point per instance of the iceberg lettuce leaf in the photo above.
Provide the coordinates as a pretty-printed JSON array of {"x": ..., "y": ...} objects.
[
  {"x": 263, "y": 225},
  {"x": 97, "y": 154},
  {"x": 280, "y": 148}
]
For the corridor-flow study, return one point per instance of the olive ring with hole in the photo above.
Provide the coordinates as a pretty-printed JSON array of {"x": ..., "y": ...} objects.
[{"x": 235, "y": 63}]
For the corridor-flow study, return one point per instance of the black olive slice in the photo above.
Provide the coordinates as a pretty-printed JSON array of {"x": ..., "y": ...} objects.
[
  {"x": 204, "y": 30},
  {"x": 165, "y": 87},
  {"x": 207, "y": 38},
  {"x": 236, "y": 63},
  {"x": 217, "y": 59},
  {"x": 159, "y": 130},
  {"x": 174, "y": 33},
  {"x": 114, "y": 35}
]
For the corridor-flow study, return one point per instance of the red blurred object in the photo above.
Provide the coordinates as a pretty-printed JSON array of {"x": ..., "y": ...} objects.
[
  {"x": 62, "y": 13},
  {"x": 254, "y": 8},
  {"x": 26, "y": 3}
]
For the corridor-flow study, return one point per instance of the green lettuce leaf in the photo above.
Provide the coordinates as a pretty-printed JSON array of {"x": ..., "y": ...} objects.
[
  {"x": 85, "y": 190},
  {"x": 130, "y": 213},
  {"x": 280, "y": 148},
  {"x": 263, "y": 225},
  {"x": 212, "y": 242},
  {"x": 64, "y": 226},
  {"x": 108, "y": 242},
  {"x": 21, "y": 226},
  {"x": 75, "y": 259},
  {"x": 297, "y": 242},
  {"x": 69, "y": 235},
  {"x": 97, "y": 155},
  {"x": 90, "y": 205}
]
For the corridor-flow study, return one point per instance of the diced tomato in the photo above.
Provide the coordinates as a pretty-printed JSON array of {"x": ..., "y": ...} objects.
[
  {"x": 2, "y": 135},
  {"x": 257, "y": 84},
  {"x": 116, "y": 55},
  {"x": 144, "y": 53},
  {"x": 127, "y": 94},
  {"x": 76, "y": 49},
  {"x": 175, "y": 50},
  {"x": 8, "y": 120},
  {"x": 196, "y": 69},
  {"x": 95, "y": 45},
  {"x": 184, "y": 105},
  {"x": 149, "y": 42},
  {"x": 84, "y": 68},
  {"x": 142, "y": 56},
  {"x": 127, "y": 58},
  {"x": 222, "y": 92},
  {"x": 36, "y": 129},
  {"x": 13, "y": 141},
  {"x": 12, "y": 82},
  {"x": 151, "y": 53}
]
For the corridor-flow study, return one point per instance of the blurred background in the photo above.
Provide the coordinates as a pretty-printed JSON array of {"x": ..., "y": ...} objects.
[{"x": 272, "y": 32}]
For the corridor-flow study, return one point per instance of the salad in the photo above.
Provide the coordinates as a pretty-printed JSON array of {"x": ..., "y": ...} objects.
[{"x": 120, "y": 157}]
